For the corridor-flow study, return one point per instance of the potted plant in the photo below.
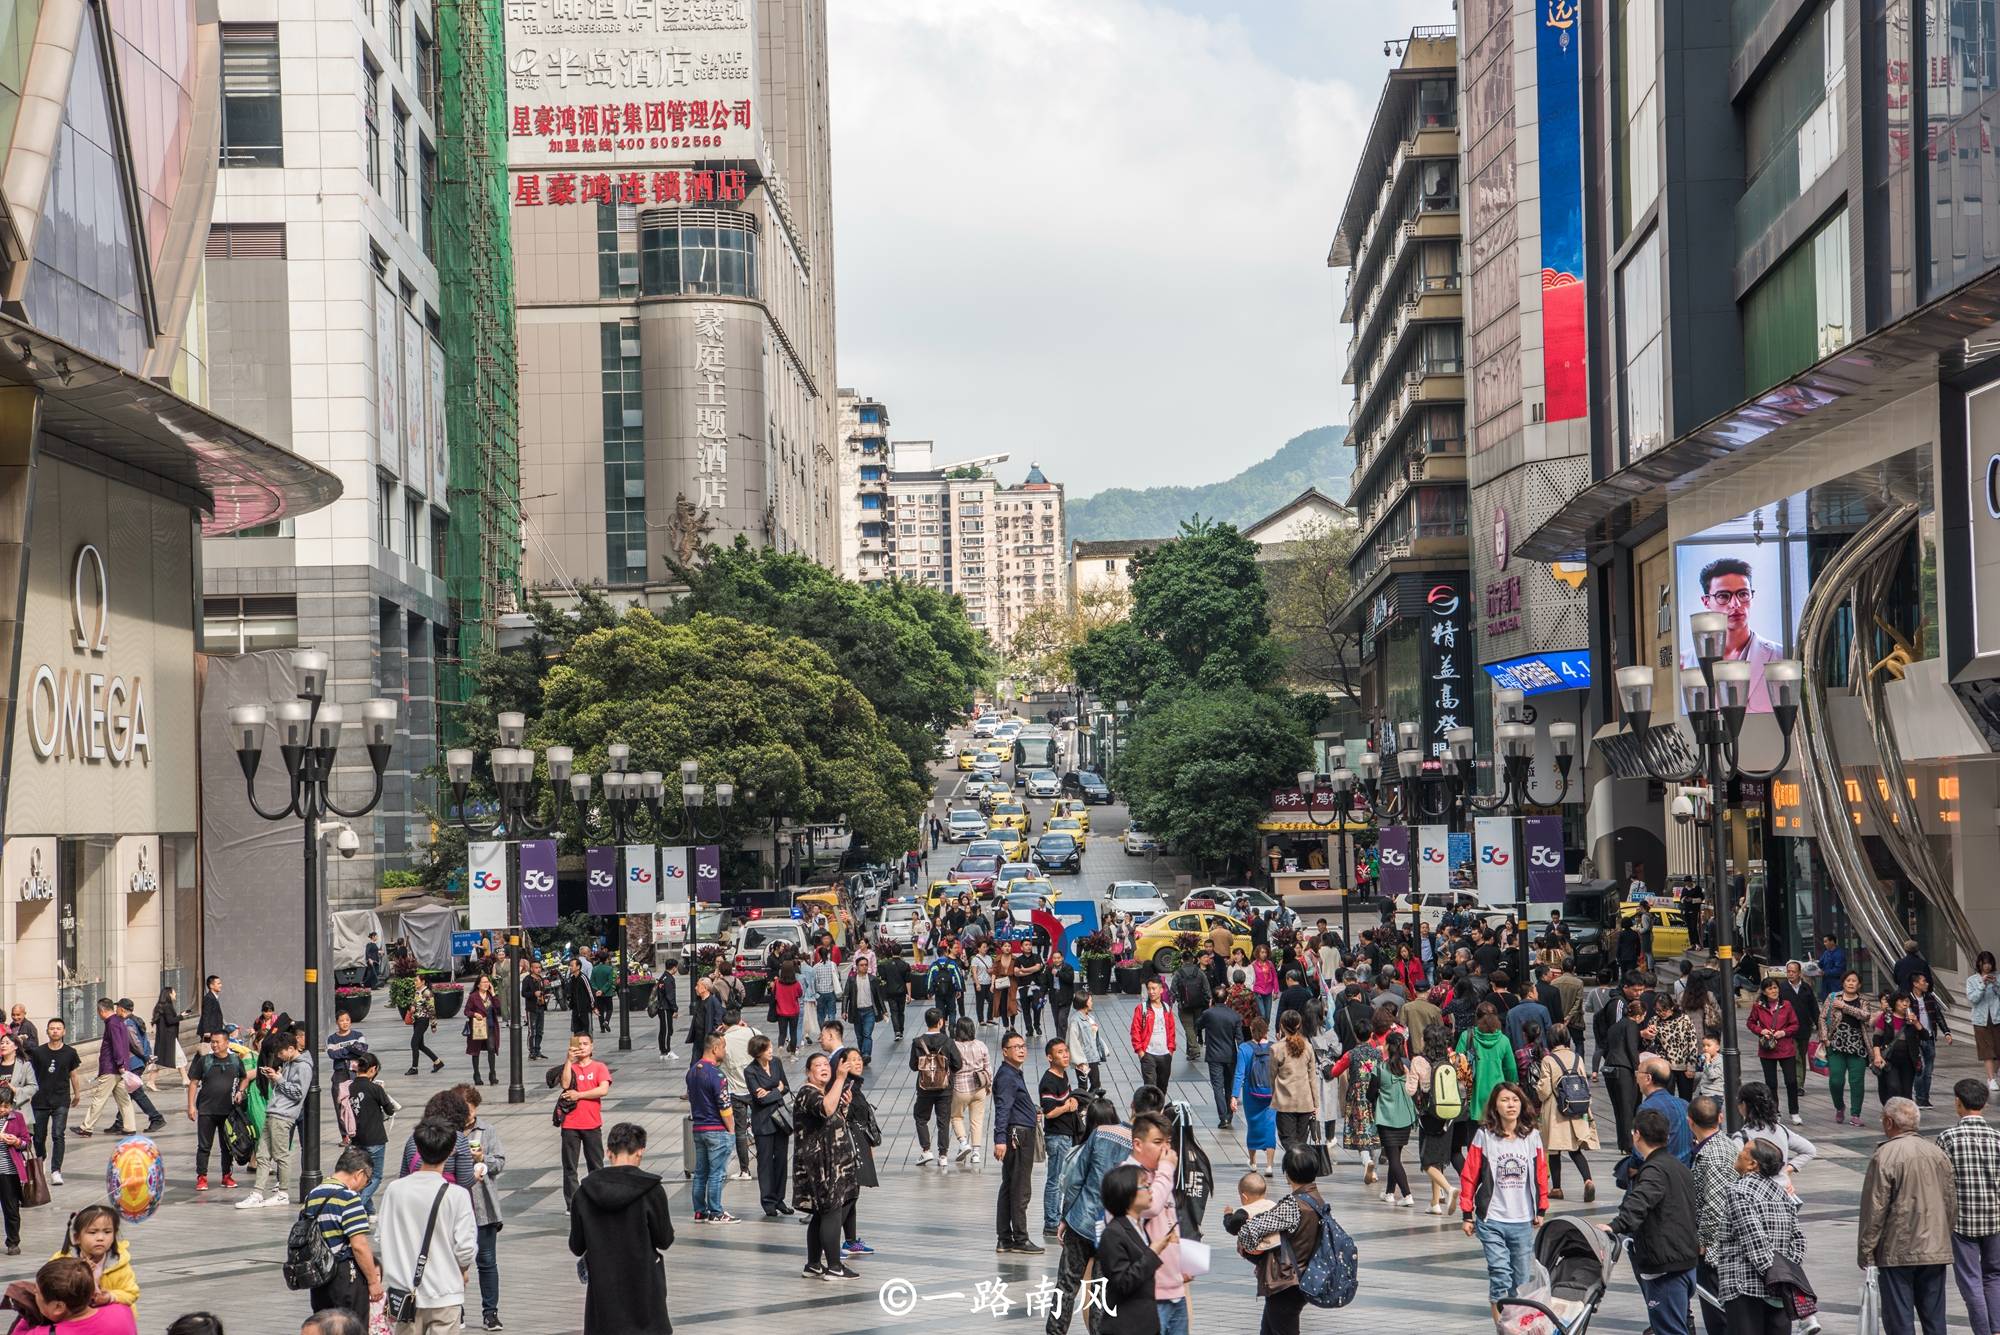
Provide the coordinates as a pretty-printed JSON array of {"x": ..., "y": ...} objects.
[
  {"x": 448, "y": 997},
  {"x": 1094, "y": 949},
  {"x": 400, "y": 989},
  {"x": 356, "y": 1001},
  {"x": 638, "y": 987},
  {"x": 1186, "y": 946}
]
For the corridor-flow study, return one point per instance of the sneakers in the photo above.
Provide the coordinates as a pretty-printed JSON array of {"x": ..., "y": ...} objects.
[
  {"x": 927, "y": 1157},
  {"x": 227, "y": 1180},
  {"x": 1798, "y": 1120},
  {"x": 723, "y": 1217},
  {"x": 492, "y": 1322},
  {"x": 812, "y": 1272},
  {"x": 1555, "y": 1193},
  {"x": 858, "y": 1248},
  {"x": 1434, "y": 1209},
  {"x": 975, "y": 1159},
  {"x": 55, "y": 1179},
  {"x": 740, "y": 1176},
  {"x": 1589, "y": 1191},
  {"x": 436, "y": 1067},
  {"x": 964, "y": 1151},
  {"x": 79, "y": 1131},
  {"x": 277, "y": 1198},
  {"x": 155, "y": 1125},
  {"x": 844, "y": 1272},
  {"x": 201, "y": 1182},
  {"x": 1407, "y": 1202},
  {"x": 251, "y": 1202},
  {"x": 1028, "y": 1248}
]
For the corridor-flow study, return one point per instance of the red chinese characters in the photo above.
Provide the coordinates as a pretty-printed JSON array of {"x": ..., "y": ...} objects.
[
  {"x": 586, "y": 128},
  {"x": 534, "y": 189}
]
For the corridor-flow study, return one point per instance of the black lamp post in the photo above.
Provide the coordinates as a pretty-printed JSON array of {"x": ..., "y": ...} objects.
[
  {"x": 1715, "y": 699},
  {"x": 695, "y": 797},
  {"x": 626, "y": 793},
  {"x": 513, "y": 770},
  {"x": 1413, "y": 795},
  {"x": 1309, "y": 789},
  {"x": 308, "y": 735}
]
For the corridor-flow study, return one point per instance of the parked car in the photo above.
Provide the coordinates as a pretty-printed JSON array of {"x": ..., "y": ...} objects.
[
  {"x": 1432, "y": 906},
  {"x": 1140, "y": 841},
  {"x": 964, "y": 825},
  {"x": 1140, "y": 899},
  {"x": 1057, "y": 852},
  {"x": 977, "y": 872},
  {"x": 1229, "y": 897},
  {"x": 1093, "y": 789}
]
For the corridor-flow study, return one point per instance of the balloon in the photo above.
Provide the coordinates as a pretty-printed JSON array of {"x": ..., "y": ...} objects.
[{"x": 136, "y": 1178}]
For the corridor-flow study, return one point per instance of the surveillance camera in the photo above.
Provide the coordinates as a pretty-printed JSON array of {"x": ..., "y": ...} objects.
[
  {"x": 1683, "y": 809},
  {"x": 349, "y": 843}
]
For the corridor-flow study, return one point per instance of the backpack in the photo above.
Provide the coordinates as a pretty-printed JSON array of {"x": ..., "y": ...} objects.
[
  {"x": 239, "y": 1138},
  {"x": 1333, "y": 1272},
  {"x": 933, "y": 1070},
  {"x": 943, "y": 976},
  {"x": 1573, "y": 1091},
  {"x": 308, "y": 1260},
  {"x": 1447, "y": 1094},
  {"x": 1258, "y": 1081}
]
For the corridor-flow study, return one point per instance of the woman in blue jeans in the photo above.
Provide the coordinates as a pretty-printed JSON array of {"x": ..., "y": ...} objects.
[{"x": 1503, "y": 1192}]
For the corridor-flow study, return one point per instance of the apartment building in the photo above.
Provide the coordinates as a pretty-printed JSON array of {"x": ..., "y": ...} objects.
[{"x": 863, "y": 451}]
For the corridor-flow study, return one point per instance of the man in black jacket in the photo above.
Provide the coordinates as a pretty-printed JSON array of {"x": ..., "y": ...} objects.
[
  {"x": 211, "y": 1008},
  {"x": 894, "y": 975},
  {"x": 1660, "y": 1216},
  {"x": 1221, "y": 1030},
  {"x": 934, "y": 1057},
  {"x": 619, "y": 1225},
  {"x": 1191, "y": 998}
]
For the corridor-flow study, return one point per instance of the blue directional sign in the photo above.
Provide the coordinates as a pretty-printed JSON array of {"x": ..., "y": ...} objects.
[
  {"x": 1536, "y": 674},
  {"x": 465, "y": 943}
]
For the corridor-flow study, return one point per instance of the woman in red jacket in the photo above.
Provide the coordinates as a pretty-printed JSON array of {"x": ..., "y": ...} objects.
[
  {"x": 1503, "y": 1193},
  {"x": 1410, "y": 971},
  {"x": 1777, "y": 1027},
  {"x": 785, "y": 993}
]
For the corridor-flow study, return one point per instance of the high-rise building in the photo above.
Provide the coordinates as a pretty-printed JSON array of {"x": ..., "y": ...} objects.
[
  {"x": 672, "y": 209},
  {"x": 1399, "y": 239},
  {"x": 1028, "y": 542},
  {"x": 863, "y": 451},
  {"x": 326, "y": 323}
]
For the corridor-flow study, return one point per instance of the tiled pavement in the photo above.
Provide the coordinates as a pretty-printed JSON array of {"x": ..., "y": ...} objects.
[{"x": 931, "y": 1228}]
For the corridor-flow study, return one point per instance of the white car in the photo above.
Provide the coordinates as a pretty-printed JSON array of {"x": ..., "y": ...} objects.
[
  {"x": 1225, "y": 897},
  {"x": 987, "y": 765},
  {"x": 964, "y": 825},
  {"x": 984, "y": 728},
  {"x": 899, "y": 922},
  {"x": 1139, "y": 900},
  {"x": 1044, "y": 783},
  {"x": 1140, "y": 840}
]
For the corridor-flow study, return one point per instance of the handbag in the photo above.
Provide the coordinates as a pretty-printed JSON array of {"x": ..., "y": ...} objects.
[
  {"x": 477, "y": 1031},
  {"x": 130, "y": 1079},
  {"x": 781, "y": 1119},
  {"x": 34, "y": 1182},
  {"x": 401, "y": 1304},
  {"x": 1316, "y": 1146}
]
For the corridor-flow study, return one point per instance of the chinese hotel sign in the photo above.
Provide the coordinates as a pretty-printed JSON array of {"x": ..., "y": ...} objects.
[{"x": 1446, "y": 650}]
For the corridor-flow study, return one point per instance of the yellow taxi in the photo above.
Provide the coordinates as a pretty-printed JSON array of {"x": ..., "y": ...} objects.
[
  {"x": 1033, "y": 885},
  {"x": 1670, "y": 930},
  {"x": 1155, "y": 941},
  {"x": 943, "y": 891},
  {"x": 1068, "y": 825},
  {"x": 1000, "y": 750},
  {"x": 1013, "y": 843},
  {"x": 966, "y": 755},
  {"x": 1071, "y": 807},
  {"x": 1010, "y": 814}
]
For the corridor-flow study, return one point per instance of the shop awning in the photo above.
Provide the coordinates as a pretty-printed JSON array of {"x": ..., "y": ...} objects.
[
  {"x": 238, "y": 478},
  {"x": 1898, "y": 359},
  {"x": 1299, "y": 825}
]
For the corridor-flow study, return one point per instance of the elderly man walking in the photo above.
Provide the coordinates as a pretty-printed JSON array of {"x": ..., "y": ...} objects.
[
  {"x": 1909, "y": 1203},
  {"x": 1973, "y": 1146}
]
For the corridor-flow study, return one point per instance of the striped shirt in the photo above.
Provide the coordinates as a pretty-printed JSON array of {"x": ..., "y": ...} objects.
[{"x": 340, "y": 1216}]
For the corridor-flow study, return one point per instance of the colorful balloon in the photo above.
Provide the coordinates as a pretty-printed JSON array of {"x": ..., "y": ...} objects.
[{"x": 136, "y": 1178}]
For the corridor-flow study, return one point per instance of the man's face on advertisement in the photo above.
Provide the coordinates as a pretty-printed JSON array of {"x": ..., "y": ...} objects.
[{"x": 1730, "y": 595}]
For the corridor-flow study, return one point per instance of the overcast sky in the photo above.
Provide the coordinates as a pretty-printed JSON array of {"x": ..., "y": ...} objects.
[{"x": 1094, "y": 235}]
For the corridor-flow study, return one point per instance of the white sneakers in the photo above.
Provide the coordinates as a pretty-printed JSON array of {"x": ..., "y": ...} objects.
[
  {"x": 1798, "y": 1120},
  {"x": 740, "y": 1176},
  {"x": 251, "y": 1202},
  {"x": 927, "y": 1157},
  {"x": 964, "y": 1151},
  {"x": 55, "y": 1179}
]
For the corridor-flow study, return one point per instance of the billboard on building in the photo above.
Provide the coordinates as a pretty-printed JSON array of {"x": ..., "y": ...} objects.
[
  {"x": 416, "y": 469},
  {"x": 388, "y": 428},
  {"x": 1559, "y": 107},
  {"x": 1751, "y": 569},
  {"x": 440, "y": 456},
  {"x": 603, "y": 85}
]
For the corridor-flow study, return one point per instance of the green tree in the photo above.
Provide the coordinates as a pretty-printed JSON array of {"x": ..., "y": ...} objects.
[
  {"x": 770, "y": 712},
  {"x": 1201, "y": 597},
  {"x": 1050, "y": 631},
  {"x": 1120, "y": 662},
  {"x": 1198, "y": 767},
  {"x": 1308, "y": 590}
]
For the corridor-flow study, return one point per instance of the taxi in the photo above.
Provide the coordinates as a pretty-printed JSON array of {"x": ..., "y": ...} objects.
[
  {"x": 943, "y": 893},
  {"x": 1068, "y": 825},
  {"x": 1037, "y": 885},
  {"x": 966, "y": 755},
  {"x": 1155, "y": 941},
  {"x": 1013, "y": 843},
  {"x": 1070, "y": 806},
  {"x": 1670, "y": 930},
  {"x": 1012, "y": 815}
]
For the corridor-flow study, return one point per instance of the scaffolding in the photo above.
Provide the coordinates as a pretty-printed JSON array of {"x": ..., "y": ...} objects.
[{"x": 476, "y": 273}]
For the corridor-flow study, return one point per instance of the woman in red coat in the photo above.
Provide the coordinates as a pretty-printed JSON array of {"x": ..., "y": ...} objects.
[
  {"x": 1410, "y": 971},
  {"x": 482, "y": 1028}
]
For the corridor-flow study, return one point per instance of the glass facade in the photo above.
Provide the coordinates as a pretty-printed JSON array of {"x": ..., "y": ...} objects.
[
  {"x": 1792, "y": 127},
  {"x": 252, "y": 108},
  {"x": 704, "y": 252},
  {"x": 617, "y": 251},
  {"x": 1800, "y": 311},
  {"x": 1958, "y": 128},
  {"x": 1641, "y": 342},
  {"x": 1637, "y": 76},
  {"x": 84, "y": 285},
  {"x": 624, "y": 454},
  {"x": 153, "y": 41}
]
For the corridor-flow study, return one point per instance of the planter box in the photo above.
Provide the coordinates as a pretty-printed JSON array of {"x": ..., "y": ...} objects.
[
  {"x": 357, "y": 1006},
  {"x": 1131, "y": 979},
  {"x": 636, "y": 994},
  {"x": 1097, "y": 972},
  {"x": 448, "y": 1003}
]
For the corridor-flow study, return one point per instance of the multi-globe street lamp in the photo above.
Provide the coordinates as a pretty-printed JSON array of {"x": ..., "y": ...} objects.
[
  {"x": 308, "y": 737},
  {"x": 1715, "y": 698}
]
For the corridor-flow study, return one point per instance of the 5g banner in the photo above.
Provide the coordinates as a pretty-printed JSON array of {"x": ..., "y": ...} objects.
[
  {"x": 1493, "y": 860},
  {"x": 538, "y": 883},
  {"x": 1393, "y": 852},
  {"x": 675, "y": 868},
  {"x": 1433, "y": 858},
  {"x": 1544, "y": 840},
  {"x": 708, "y": 874},
  {"x": 642, "y": 886},
  {"x": 601, "y": 880},
  {"x": 486, "y": 886}
]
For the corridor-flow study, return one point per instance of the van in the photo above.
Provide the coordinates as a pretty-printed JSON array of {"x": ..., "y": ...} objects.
[{"x": 753, "y": 943}]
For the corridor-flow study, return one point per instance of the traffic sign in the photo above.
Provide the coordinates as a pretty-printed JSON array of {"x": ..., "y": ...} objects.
[{"x": 465, "y": 943}]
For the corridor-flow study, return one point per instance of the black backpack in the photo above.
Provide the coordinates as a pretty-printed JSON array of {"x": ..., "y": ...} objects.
[
  {"x": 309, "y": 1261},
  {"x": 1572, "y": 1090}
]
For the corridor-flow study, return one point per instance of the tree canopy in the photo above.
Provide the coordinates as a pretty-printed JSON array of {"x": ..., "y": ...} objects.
[
  {"x": 1199, "y": 766},
  {"x": 1308, "y": 590}
]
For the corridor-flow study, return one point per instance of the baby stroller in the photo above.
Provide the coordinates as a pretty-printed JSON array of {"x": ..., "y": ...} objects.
[{"x": 1573, "y": 1262}]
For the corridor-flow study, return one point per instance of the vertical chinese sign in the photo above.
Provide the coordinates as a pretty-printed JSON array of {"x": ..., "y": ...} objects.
[
  {"x": 711, "y": 409},
  {"x": 1444, "y": 660},
  {"x": 1558, "y": 60}
]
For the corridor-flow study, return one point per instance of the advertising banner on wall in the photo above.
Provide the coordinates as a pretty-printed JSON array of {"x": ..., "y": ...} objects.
[
  {"x": 1493, "y": 859},
  {"x": 388, "y": 418},
  {"x": 415, "y": 375},
  {"x": 1559, "y": 107},
  {"x": 1542, "y": 837},
  {"x": 486, "y": 886},
  {"x": 538, "y": 883},
  {"x": 1392, "y": 851},
  {"x": 604, "y": 85},
  {"x": 434, "y": 416},
  {"x": 1446, "y": 662},
  {"x": 642, "y": 885},
  {"x": 676, "y": 871},
  {"x": 601, "y": 880},
  {"x": 1433, "y": 858}
]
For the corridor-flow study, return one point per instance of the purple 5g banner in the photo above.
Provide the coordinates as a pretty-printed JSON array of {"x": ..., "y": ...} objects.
[
  {"x": 538, "y": 883},
  {"x": 1543, "y": 840},
  {"x": 1394, "y": 853},
  {"x": 601, "y": 885}
]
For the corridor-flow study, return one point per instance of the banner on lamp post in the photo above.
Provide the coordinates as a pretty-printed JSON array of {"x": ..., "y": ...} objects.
[
  {"x": 1543, "y": 839},
  {"x": 1493, "y": 860},
  {"x": 1392, "y": 851},
  {"x": 538, "y": 883},
  {"x": 601, "y": 880},
  {"x": 676, "y": 873},
  {"x": 642, "y": 885},
  {"x": 486, "y": 886},
  {"x": 708, "y": 874},
  {"x": 1433, "y": 859}
]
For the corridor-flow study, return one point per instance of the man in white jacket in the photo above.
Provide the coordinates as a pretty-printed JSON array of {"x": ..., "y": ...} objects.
[{"x": 403, "y": 1216}]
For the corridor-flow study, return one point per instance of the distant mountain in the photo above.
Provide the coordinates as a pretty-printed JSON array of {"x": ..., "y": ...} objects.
[{"x": 1318, "y": 458}]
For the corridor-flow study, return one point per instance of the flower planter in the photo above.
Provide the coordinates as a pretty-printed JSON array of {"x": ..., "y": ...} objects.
[
  {"x": 357, "y": 1004},
  {"x": 1097, "y": 971},
  {"x": 1131, "y": 978},
  {"x": 636, "y": 994},
  {"x": 448, "y": 1003}
]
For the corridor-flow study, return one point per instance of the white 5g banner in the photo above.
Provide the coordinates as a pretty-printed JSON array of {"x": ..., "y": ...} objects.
[
  {"x": 642, "y": 891},
  {"x": 1493, "y": 859},
  {"x": 486, "y": 886},
  {"x": 676, "y": 869},
  {"x": 1433, "y": 859}
]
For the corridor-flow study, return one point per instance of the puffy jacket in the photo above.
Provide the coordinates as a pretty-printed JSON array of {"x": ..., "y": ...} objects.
[
  {"x": 1780, "y": 1017},
  {"x": 1492, "y": 1063},
  {"x": 1083, "y": 1178}
]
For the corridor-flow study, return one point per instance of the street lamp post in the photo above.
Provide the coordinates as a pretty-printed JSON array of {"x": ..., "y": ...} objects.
[
  {"x": 308, "y": 736},
  {"x": 626, "y": 793},
  {"x": 1513, "y": 785},
  {"x": 1309, "y": 789},
  {"x": 513, "y": 769},
  {"x": 1715, "y": 699}
]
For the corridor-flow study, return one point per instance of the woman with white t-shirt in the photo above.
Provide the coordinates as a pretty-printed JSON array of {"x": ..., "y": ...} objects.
[{"x": 1503, "y": 1192}]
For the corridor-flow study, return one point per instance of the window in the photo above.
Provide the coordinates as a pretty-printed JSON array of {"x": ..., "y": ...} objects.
[
  {"x": 396, "y": 32},
  {"x": 427, "y": 167},
  {"x": 698, "y": 251},
  {"x": 401, "y": 152},
  {"x": 281, "y": 529},
  {"x": 1799, "y": 312},
  {"x": 1638, "y": 149},
  {"x": 1959, "y": 112},
  {"x": 413, "y": 527},
  {"x": 440, "y": 530},
  {"x": 385, "y": 511},
  {"x": 239, "y": 625},
  {"x": 1437, "y": 104},
  {"x": 1792, "y": 125},
  {"x": 1641, "y": 343},
  {"x": 371, "y": 113},
  {"x": 252, "y": 118},
  {"x": 617, "y": 256},
  {"x": 1441, "y": 355},
  {"x": 624, "y": 453},
  {"x": 426, "y": 74}
]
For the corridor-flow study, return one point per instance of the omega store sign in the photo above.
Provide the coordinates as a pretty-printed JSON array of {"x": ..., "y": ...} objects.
[{"x": 102, "y": 761}]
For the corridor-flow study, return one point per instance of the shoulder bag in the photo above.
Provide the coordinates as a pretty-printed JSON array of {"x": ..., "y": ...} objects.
[
  {"x": 35, "y": 1183},
  {"x": 401, "y": 1304}
]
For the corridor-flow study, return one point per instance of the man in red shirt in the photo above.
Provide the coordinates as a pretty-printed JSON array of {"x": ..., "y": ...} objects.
[
  {"x": 1153, "y": 1037},
  {"x": 584, "y": 1081}
]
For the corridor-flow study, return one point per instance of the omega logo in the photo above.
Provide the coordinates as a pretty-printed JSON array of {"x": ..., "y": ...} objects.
[
  {"x": 78, "y": 714},
  {"x": 1993, "y": 485}
]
